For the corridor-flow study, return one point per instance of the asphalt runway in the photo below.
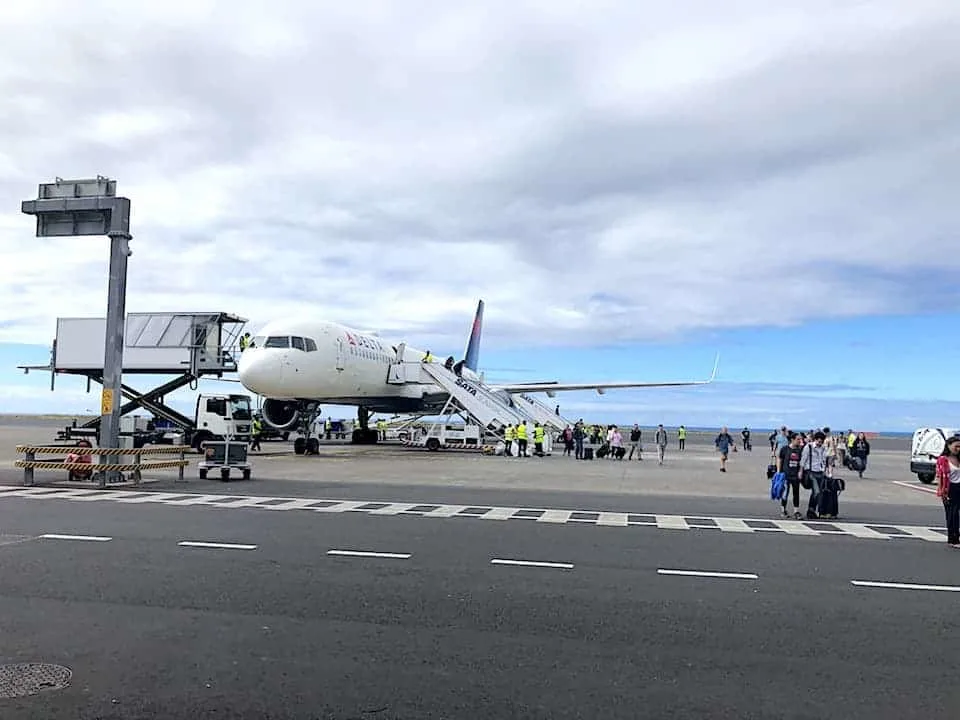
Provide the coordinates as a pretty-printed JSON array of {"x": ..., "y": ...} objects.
[{"x": 450, "y": 620}]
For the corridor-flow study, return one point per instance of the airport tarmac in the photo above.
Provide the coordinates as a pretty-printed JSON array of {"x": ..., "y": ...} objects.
[
  {"x": 689, "y": 482},
  {"x": 384, "y": 582}
]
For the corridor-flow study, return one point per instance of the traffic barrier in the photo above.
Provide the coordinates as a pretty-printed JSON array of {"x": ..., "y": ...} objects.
[{"x": 100, "y": 470}]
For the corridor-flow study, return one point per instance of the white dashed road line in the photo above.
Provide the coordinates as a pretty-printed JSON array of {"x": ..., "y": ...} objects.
[
  {"x": 911, "y": 486},
  {"x": 215, "y": 545},
  {"x": 89, "y": 538},
  {"x": 708, "y": 574},
  {"x": 904, "y": 586},
  {"x": 532, "y": 563},
  {"x": 365, "y": 553}
]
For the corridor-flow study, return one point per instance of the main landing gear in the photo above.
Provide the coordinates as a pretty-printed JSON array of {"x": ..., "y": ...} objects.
[
  {"x": 364, "y": 435},
  {"x": 306, "y": 444}
]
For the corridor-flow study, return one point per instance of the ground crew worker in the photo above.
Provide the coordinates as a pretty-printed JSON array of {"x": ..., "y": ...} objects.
[
  {"x": 382, "y": 429},
  {"x": 327, "y": 428},
  {"x": 244, "y": 341},
  {"x": 255, "y": 435},
  {"x": 428, "y": 358},
  {"x": 522, "y": 439},
  {"x": 682, "y": 435},
  {"x": 508, "y": 435},
  {"x": 538, "y": 439}
]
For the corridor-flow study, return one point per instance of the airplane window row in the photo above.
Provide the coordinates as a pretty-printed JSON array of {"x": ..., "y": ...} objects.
[
  {"x": 371, "y": 355},
  {"x": 285, "y": 341}
]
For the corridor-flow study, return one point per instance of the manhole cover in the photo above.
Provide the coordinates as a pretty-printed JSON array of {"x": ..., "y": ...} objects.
[{"x": 31, "y": 678}]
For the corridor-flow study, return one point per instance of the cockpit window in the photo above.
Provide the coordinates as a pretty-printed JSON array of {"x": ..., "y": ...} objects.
[
  {"x": 277, "y": 341},
  {"x": 311, "y": 345},
  {"x": 297, "y": 343},
  {"x": 258, "y": 341}
]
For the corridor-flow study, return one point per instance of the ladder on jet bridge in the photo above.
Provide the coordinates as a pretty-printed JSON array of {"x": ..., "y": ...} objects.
[
  {"x": 482, "y": 405},
  {"x": 540, "y": 412}
]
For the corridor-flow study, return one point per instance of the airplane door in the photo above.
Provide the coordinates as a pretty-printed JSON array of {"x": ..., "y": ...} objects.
[{"x": 339, "y": 354}]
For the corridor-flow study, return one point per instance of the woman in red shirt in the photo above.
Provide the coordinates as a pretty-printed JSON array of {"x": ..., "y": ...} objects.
[{"x": 948, "y": 487}]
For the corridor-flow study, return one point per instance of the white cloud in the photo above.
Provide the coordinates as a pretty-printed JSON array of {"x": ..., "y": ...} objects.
[{"x": 627, "y": 170}]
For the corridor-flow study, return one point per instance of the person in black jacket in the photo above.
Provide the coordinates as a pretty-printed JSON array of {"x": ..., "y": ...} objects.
[
  {"x": 636, "y": 437},
  {"x": 861, "y": 449}
]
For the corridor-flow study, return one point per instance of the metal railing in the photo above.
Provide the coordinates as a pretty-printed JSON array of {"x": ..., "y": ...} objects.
[{"x": 99, "y": 470}]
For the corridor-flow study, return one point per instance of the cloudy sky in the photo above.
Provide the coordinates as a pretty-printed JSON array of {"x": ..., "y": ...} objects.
[{"x": 630, "y": 187}]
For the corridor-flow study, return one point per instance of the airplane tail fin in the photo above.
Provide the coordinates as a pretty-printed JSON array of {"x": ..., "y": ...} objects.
[{"x": 472, "y": 357}]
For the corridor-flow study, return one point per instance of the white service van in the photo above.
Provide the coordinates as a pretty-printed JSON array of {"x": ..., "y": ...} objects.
[
  {"x": 926, "y": 448},
  {"x": 216, "y": 417}
]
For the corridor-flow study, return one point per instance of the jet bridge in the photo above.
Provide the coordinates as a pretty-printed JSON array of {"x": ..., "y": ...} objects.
[{"x": 188, "y": 345}]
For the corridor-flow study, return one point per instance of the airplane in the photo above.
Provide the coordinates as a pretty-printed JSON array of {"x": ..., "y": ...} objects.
[{"x": 297, "y": 364}]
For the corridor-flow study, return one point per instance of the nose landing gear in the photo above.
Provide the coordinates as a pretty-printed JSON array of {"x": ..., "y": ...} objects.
[{"x": 307, "y": 444}]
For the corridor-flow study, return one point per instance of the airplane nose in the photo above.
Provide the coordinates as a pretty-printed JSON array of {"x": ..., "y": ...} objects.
[{"x": 257, "y": 372}]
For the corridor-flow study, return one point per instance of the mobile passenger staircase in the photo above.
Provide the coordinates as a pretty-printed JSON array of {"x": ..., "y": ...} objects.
[
  {"x": 472, "y": 401},
  {"x": 540, "y": 412}
]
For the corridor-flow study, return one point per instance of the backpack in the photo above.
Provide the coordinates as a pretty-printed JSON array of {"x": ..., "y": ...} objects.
[{"x": 778, "y": 486}]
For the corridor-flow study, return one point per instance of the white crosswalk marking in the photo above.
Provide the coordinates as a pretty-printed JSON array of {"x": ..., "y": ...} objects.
[
  {"x": 861, "y": 531},
  {"x": 554, "y": 516},
  {"x": 672, "y": 522},
  {"x": 612, "y": 518},
  {"x": 755, "y": 526},
  {"x": 733, "y": 525}
]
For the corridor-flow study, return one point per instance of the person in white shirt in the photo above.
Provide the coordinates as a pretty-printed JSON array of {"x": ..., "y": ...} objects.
[
  {"x": 813, "y": 465},
  {"x": 830, "y": 443}
]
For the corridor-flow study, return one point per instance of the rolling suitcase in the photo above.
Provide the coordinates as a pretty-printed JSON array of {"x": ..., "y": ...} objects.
[
  {"x": 588, "y": 453},
  {"x": 829, "y": 503}
]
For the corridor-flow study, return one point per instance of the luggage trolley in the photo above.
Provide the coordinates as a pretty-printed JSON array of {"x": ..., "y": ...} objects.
[{"x": 224, "y": 455}]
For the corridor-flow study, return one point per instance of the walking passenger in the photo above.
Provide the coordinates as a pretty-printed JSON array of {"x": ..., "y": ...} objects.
[
  {"x": 830, "y": 443},
  {"x": 948, "y": 487},
  {"x": 616, "y": 444},
  {"x": 661, "y": 442},
  {"x": 860, "y": 451},
  {"x": 636, "y": 436},
  {"x": 813, "y": 464},
  {"x": 788, "y": 462},
  {"x": 579, "y": 433},
  {"x": 723, "y": 444}
]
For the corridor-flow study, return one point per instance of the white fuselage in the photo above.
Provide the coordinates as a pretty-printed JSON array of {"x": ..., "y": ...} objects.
[{"x": 332, "y": 363}]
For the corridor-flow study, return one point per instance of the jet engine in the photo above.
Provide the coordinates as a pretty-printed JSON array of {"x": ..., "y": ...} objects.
[{"x": 281, "y": 414}]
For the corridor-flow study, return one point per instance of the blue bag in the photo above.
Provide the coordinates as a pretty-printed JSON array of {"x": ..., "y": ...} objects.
[{"x": 778, "y": 486}]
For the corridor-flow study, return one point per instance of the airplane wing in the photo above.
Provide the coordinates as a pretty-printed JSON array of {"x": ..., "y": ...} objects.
[{"x": 552, "y": 387}]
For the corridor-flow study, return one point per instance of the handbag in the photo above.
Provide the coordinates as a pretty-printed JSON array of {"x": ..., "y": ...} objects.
[{"x": 805, "y": 481}]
